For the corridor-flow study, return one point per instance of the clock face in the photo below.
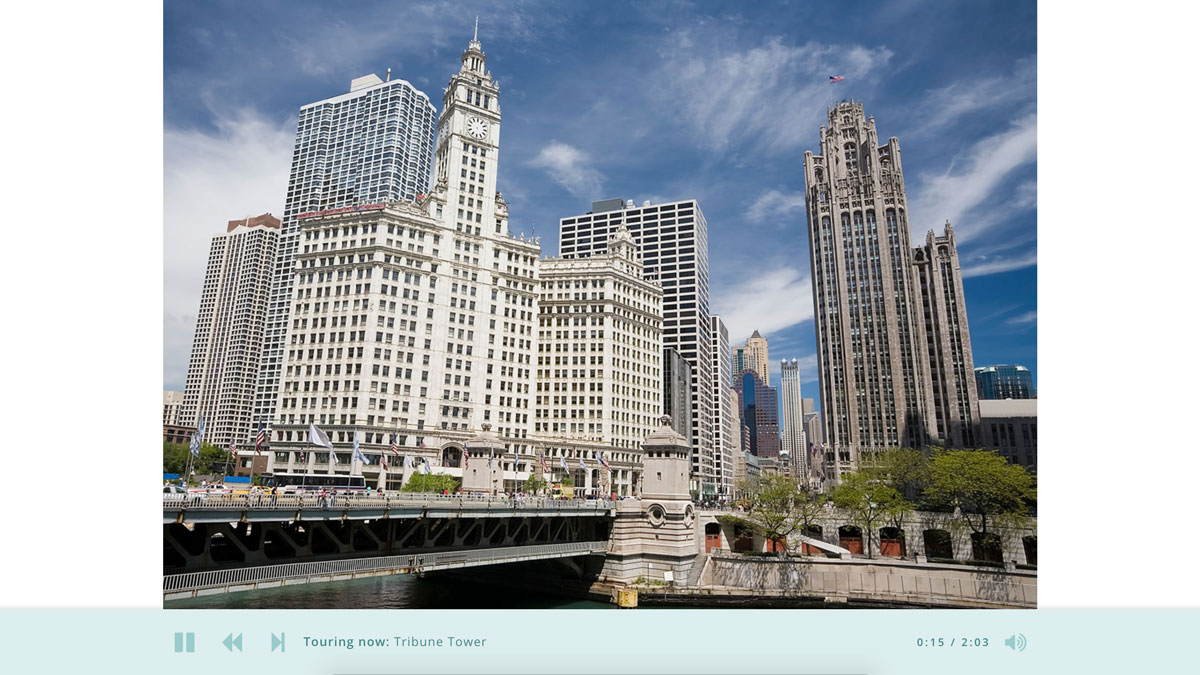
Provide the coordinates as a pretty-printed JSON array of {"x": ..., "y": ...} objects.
[{"x": 476, "y": 127}]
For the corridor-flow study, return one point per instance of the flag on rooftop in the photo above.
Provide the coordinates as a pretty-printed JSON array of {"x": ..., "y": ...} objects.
[{"x": 835, "y": 78}]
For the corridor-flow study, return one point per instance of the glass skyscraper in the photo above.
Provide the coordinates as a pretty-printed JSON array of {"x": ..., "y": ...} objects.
[
  {"x": 370, "y": 145},
  {"x": 1004, "y": 381}
]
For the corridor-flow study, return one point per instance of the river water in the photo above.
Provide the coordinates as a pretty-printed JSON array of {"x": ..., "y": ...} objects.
[{"x": 398, "y": 591}]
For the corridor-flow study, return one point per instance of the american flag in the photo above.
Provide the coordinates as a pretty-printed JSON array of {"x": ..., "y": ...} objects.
[
  {"x": 466, "y": 460},
  {"x": 545, "y": 469},
  {"x": 394, "y": 450},
  {"x": 420, "y": 444},
  {"x": 261, "y": 438},
  {"x": 835, "y": 78},
  {"x": 383, "y": 462},
  {"x": 233, "y": 449},
  {"x": 602, "y": 460}
]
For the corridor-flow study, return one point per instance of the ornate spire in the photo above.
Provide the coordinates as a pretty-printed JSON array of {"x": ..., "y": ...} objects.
[{"x": 475, "y": 38}]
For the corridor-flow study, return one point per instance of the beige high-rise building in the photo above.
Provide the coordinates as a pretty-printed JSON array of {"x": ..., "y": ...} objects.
[
  {"x": 792, "y": 419},
  {"x": 752, "y": 356},
  {"x": 890, "y": 356},
  {"x": 725, "y": 417},
  {"x": 172, "y": 402},
  {"x": 415, "y": 321},
  {"x": 226, "y": 351},
  {"x": 951, "y": 366},
  {"x": 599, "y": 362}
]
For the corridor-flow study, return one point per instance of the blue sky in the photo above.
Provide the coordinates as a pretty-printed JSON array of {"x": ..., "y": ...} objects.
[{"x": 647, "y": 101}]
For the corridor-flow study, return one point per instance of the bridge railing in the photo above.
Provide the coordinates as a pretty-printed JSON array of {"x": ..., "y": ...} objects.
[
  {"x": 192, "y": 581},
  {"x": 355, "y": 502}
]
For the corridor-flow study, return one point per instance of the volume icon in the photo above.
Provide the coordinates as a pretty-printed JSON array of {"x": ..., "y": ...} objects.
[{"x": 1016, "y": 642}]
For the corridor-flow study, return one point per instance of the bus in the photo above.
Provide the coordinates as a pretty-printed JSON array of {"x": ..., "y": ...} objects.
[{"x": 298, "y": 483}]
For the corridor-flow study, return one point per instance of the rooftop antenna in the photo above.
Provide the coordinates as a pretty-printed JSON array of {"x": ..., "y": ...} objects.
[
  {"x": 476, "y": 38},
  {"x": 389, "y": 75}
]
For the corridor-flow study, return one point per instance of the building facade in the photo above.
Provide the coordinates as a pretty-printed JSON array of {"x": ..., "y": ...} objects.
[
  {"x": 752, "y": 356},
  {"x": 414, "y": 322},
  {"x": 948, "y": 341},
  {"x": 794, "y": 445},
  {"x": 371, "y": 145},
  {"x": 1004, "y": 381},
  {"x": 673, "y": 241},
  {"x": 723, "y": 412},
  {"x": 760, "y": 414},
  {"x": 866, "y": 309},
  {"x": 224, "y": 367},
  {"x": 893, "y": 345},
  {"x": 1009, "y": 427},
  {"x": 599, "y": 362},
  {"x": 172, "y": 402},
  {"x": 677, "y": 391}
]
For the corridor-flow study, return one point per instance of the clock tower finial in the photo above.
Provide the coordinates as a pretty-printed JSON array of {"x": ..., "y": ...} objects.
[{"x": 475, "y": 38}]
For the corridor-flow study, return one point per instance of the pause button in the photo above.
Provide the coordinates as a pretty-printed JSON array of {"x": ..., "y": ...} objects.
[{"x": 185, "y": 642}]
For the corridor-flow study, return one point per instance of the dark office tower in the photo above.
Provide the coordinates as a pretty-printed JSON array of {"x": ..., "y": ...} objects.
[
  {"x": 948, "y": 341},
  {"x": 673, "y": 240},
  {"x": 371, "y": 145},
  {"x": 867, "y": 309},
  {"x": 677, "y": 391},
  {"x": 759, "y": 412},
  {"x": 1005, "y": 381}
]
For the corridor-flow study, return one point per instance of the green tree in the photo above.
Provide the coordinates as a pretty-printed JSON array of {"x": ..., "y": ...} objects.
[
  {"x": 433, "y": 482},
  {"x": 211, "y": 460},
  {"x": 567, "y": 481},
  {"x": 779, "y": 509},
  {"x": 174, "y": 458},
  {"x": 868, "y": 500},
  {"x": 534, "y": 483},
  {"x": 905, "y": 469},
  {"x": 983, "y": 486}
]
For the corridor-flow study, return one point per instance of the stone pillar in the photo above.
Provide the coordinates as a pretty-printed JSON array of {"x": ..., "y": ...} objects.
[
  {"x": 656, "y": 533},
  {"x": 480, "y": 474}
]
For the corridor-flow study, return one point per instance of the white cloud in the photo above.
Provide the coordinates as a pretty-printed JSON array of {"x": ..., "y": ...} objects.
[
  {"x": 965, "y": 97},
  {"x": 210, "y": 178},
  {"x": 774, "y": 204},
  {"x": 773, "y": 95},
  {"x": 965, "y": 185},
  {"x": 1023, "y": 319},
  {"x": 982, "y": 265},
  {"x": 771, "y": 301},
  {"x": 570, "y": 168}
]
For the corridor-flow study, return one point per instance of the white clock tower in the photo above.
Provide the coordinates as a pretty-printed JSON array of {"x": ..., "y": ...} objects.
[{"x": 468, "y": 147}]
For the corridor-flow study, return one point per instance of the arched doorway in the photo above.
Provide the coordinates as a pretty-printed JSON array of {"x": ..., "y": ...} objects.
[
  {"x": 850, "y": 538},
  {"x": 1030, "y": 543},
  {"x": 712, "y": 537},
  {"x": 986, "y": 548},
  {"x": 812, "y": 532},
  {"x": 939, "y": 544},
  {"x": 452, "y": 456},
  {"x": 891, "y": 542}
]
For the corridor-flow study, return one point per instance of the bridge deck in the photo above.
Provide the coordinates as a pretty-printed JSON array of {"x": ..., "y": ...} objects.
[
  {"x": 267, "y": 508},
  {"x": 192, "y": 584}
]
